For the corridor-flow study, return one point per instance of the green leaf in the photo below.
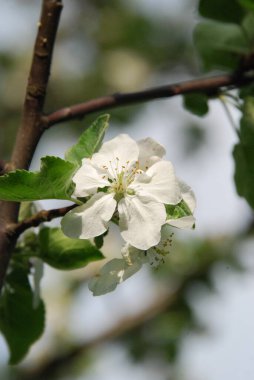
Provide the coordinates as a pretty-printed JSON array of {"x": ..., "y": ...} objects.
[
  {"x": 222, "y": 10},
  {"x": 248, "y": 29},
  {"x": 178, "y": 211},
  {"x": 196, "y": 103},
  {"x": 89, "y": 142},
  {"x": 243, "y": 154},
  {"x": 98, "y": 241},
  {"x": 220, "y": 45},
  {"x": 244, "y": 171},
  {"x": 20, "y": 322},
  {"x": 248, "y": 4},
  {"x": 53, "y": 181},
  {"x": 64, "y": 253}
]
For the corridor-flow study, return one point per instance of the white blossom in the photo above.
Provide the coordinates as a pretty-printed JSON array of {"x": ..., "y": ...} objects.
[
  {"x": 129, "y": 180},
  {"x": 115, "y": 271}
]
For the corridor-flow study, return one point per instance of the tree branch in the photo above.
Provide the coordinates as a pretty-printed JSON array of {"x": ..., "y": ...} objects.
[
  {"x": 206, "y": 85},
  {"x": 16, "y": 229},
  {"x": 30, "y": 129}
]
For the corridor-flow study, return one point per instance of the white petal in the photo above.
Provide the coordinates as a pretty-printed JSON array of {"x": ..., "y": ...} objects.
[
  {"x": 133, "y": 255},
  {"x": 88, "y": 179},
  {"x": 140, "y": 221},
  {"x": 149, "y": 152},
  {"x": 112, "y": 274},
  {"x": 188, "y": 195},
  {"x": 159, "y": 183},
  {"x": 184, "y": 222},
  {"x": 90, "y": 219},
  {"x": 121, "y": 148}
]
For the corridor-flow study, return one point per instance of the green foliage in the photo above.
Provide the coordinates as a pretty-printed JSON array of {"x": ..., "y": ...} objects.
[
  {"x": 244, "y": 154},
  {"x": 53, "y": 181},
  {"x": 248, "y": 4},
  {"x": 196, "y": 103},
  {"x": 21, "y": 322},
  {"x": 177, "y": 211},
  {"x": 222, "y": 10},
  {"x": 89, "y": 142},
  {"x": 220, "y": 45},
  {"x": 63, "y": 253}
]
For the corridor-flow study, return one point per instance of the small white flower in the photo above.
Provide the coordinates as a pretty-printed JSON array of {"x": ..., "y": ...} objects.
[
  {"x": 115, "y": 271},
  {"x": 128, "y": 177}
]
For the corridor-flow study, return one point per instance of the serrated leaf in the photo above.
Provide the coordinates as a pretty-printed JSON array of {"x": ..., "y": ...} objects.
[
  {"x": 222, "y": 10},
  {"x": 220, "y": 45},
  {"x": 196, "y": 103},
  {"x": 64, "y": 253},
  {"x": 178, "y": 211},
  {"x": 20, "y": 323},
  {"x": 243, "y": 154},
  {"x": 53, "y": 181},
  {"x": 89, "y": 142}
]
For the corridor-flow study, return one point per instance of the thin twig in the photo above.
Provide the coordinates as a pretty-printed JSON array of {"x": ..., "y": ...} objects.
[
  {"x": 209, "y": 86},
  {"x": 15, "y": 229}
]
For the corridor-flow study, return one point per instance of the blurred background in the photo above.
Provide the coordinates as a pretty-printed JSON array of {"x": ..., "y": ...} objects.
[{"x": 193, "y": 318}]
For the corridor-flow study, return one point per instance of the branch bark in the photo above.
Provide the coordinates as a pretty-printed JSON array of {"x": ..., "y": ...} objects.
[
  {"x": 206, "y": 85},
  {"x": 30, "y": 129},
  {"x": 17, "y": 229}
]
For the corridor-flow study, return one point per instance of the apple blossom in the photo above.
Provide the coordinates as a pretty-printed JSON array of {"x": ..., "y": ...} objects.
[
  {"x": 117, "y": 270},
  {"x": 128, "y": 180}
]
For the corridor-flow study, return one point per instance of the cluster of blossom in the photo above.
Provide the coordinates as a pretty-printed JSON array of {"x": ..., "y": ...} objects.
[{"x": 130, "y": 183}]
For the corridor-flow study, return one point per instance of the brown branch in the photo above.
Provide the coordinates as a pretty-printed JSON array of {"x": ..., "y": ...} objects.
[
  {"x": 30, "y": 129},
  {"x": 6, "y": 167},
  {"x": 15, "y": 229},
  {"x": 206, "y": 85}
]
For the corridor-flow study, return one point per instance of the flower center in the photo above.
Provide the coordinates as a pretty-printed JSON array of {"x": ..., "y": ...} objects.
[{"x": 121, "y": 176}]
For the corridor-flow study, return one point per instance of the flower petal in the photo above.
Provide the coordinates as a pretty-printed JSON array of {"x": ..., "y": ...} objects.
[
  {"x": 184, "y": 222},
  {"x": 188, "y": 195},
  {"x": 140, "y": 221},
  {"x": 149, "y": 152},
  {"x": 88, "y": 179},
  {"x": 122, "y": 149},
  {"x": 159, "y": 183},
  {"x": 112, "y": 273},
  {"x": 90, "y": 219}
]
